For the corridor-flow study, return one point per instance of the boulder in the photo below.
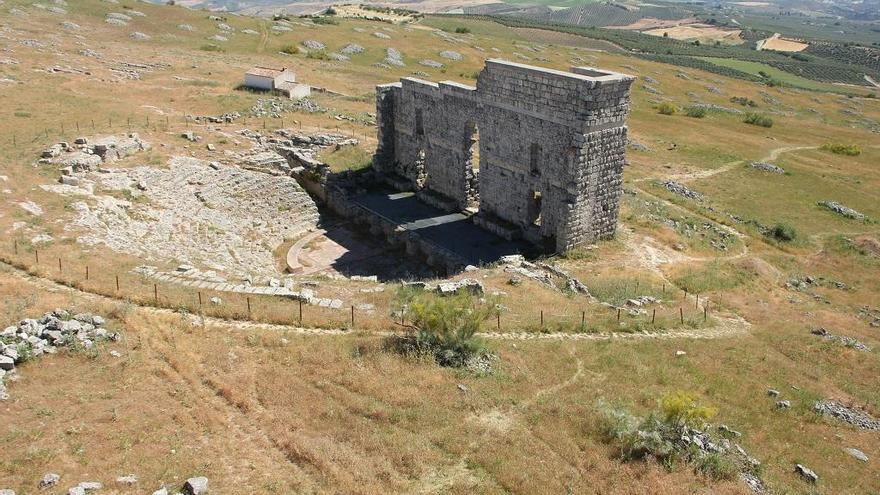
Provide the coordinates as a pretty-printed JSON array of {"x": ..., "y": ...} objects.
[
  {"x": 856, "y": 453},
  {"x": 806, "y": 473},
  {"x": 196, "y": 486},
  {"x": 6, "y": 363}
]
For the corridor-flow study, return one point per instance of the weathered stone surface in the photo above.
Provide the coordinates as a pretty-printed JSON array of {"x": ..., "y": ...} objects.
[
  {"x": 857, "y": 454},
  {"x": 196, "y": 486},
  {"x": 50, "y": 479},
  {"x": 551, "y": 148}
]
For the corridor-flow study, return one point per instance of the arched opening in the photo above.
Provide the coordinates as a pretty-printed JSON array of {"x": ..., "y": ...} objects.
[{"x": 472, "y": 164}]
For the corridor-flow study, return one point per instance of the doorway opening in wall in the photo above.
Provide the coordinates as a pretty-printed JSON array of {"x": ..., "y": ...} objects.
[
  {"x": 534, "y": 213},
  {"x": 472, "y": 164},
  {"x": 535, "y": 159},
  {"x": 420, "y": 123}
]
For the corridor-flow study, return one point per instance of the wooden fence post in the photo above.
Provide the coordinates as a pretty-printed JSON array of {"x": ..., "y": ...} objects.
[
  {"x": 37, "y": 255},
  {"x": 156, "y": 293},
  {"x": 583, "y": 319},
  {"x": 59, "y": 264},
  {"x": 300, "y": 312},
  {"x": 352, "y": 317},
  {"x": 200, "y": 298},
  {"x": 618, "y": 315},
  {"x": 681, "y": 315},
  {"x": 248, "y": 299},
  {"x": 542, "y": 318},
  {"x": 498, "y": 320},
  {"x": 87, "y": 272},
  {"x": 117, "y": 282},
  {"x": 653, "y": 315}
]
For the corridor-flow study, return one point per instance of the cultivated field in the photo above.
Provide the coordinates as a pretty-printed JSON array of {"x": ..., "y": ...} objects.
[
  {"x": 702, "y": 32},
  {"x": 260, "y": 401},
  {"x": 776, "y": 42}
]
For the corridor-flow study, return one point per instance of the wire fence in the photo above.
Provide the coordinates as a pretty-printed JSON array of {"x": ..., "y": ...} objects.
[{"x": 572, "y": 315}]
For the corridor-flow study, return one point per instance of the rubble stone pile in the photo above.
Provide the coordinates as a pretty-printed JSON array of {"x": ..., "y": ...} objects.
[{"x": 61, "y": 328}]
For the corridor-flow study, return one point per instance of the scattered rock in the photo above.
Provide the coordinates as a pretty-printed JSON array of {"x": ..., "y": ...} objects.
[
  {"x": 352, "y": 49},
  {"x": 31, "y": 338},
  {"x": 842, "y": 210},
  {"x": 314, "y": 45},
  {"x": 137, "y": 35},
  {"x": 196, "y": 486},
  {"x": 855, "y": 417},
  {"x": 808, "y": 474},
  {"x": 469, "y": 285},
  {"x": 393, "y": 57},
  {"x": 767, "y": 167},
  {"x": 680, "y": 353},
  {"x": 682, "y": 190},
  {"x": 856, "y": 453},
  {"x": 451, "y": 55},
  {"x": 773, "y": 393},
  {"x": 783, "y": 404},
  {"x": 50, "y": 479},
  {"x": 381, "y": 36},
  {"x": 841, "y": 339},
  {"x": 127, "y": 480}
]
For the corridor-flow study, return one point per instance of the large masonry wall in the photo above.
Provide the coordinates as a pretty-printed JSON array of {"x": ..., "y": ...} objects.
[{"x": 551, "y": 148}]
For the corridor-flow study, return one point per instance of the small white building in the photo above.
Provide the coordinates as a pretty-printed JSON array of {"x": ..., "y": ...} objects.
[{"x": 271, "y": 79}]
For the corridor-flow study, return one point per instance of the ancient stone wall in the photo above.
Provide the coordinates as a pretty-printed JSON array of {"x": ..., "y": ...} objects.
[{"x": 551, "y": 148}]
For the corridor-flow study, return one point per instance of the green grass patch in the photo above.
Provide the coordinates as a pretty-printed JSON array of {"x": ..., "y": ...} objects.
[
  {"x": 712, "y": 277},
  {"x": 347, "y": 158}
]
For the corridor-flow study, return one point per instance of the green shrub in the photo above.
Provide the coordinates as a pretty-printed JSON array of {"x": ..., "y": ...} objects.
[
  {"x": 325, "y": 20},
  {"x": 842, "y": 149},
  {"x": 667, "y": 108},
  {"x": 758, "y": 119},
  {"x": 210, "y": 47},
  {"x": 742, "y": 100},
  {"x": 682, "y": 408},
  {"x": 462, "y": 30},
  {"x": 695, "y": 111},
  {"x": 444, "y": 327},
  {"x": 290, "y": 49},
  {"x": 782, "y": 232},
  {"x": 318, "y": 55}
]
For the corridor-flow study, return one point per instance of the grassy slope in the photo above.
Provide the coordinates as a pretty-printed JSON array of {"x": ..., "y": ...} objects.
[{"x": 339, "y": 414}]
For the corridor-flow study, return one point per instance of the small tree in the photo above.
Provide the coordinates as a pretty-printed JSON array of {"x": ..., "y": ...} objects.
[{"x": 783, "y": 232}]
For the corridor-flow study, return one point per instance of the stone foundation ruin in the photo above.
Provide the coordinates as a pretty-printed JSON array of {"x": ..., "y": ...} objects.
[{"x": 537, "y": 153}]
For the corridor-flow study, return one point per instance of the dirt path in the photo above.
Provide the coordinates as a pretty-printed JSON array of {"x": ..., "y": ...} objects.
[
  {"x": 728, "y": 325},
  {"x": 705, "y": 174}
]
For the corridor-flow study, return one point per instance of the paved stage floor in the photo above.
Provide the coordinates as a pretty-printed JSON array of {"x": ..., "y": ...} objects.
[{"x": 452, "y": 231}]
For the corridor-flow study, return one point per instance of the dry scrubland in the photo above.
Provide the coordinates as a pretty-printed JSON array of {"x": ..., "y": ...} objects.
[{"x": 337, "y": 413}]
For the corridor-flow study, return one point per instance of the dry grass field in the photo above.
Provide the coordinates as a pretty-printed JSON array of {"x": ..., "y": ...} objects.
[
  {"x": 260, "y": 402},
  {"x": 705, "y": 33},
  {"x": 780, "y": 44}
]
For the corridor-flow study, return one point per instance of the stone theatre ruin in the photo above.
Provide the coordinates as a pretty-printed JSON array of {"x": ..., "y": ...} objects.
[{"x": 537, "y": 153}]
